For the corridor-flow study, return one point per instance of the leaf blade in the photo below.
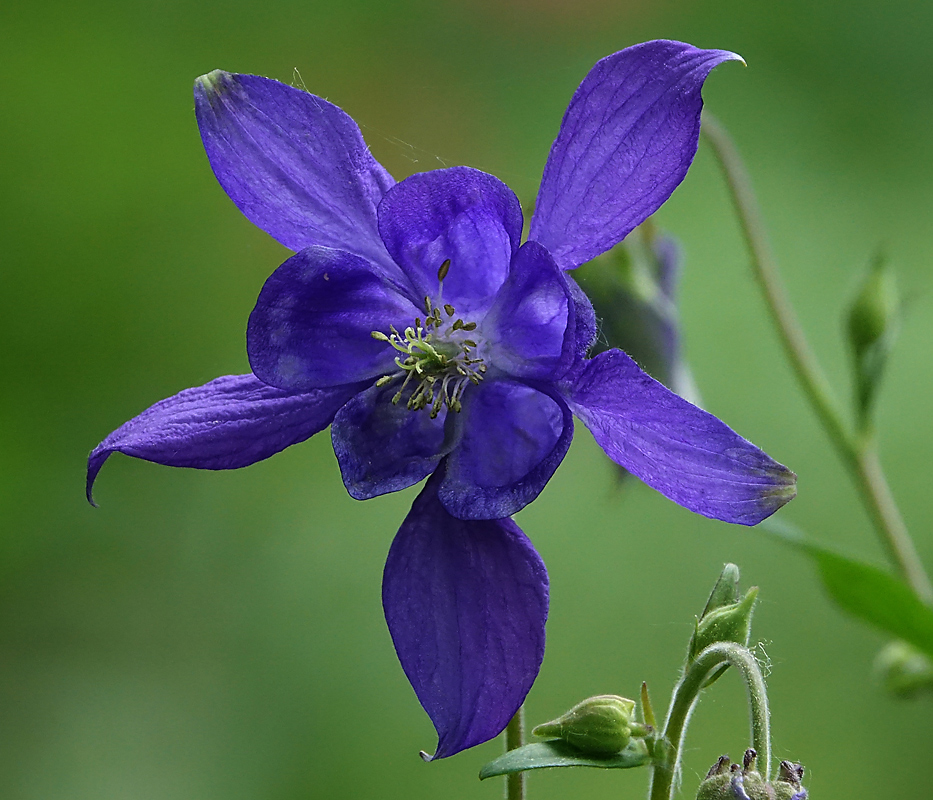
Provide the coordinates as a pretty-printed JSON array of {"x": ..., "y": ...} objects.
[
  {"x": 557, "y": 753},
  {"x": 865, "y": 591}
]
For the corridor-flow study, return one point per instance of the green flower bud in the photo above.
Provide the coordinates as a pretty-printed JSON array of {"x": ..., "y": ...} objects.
[
  {"x": 872, "y": 327},
  {"x": 728, "y": 623},
  {"x": 904, "y": 670},
  {"x": 875, "y": 308},
  {"x": 600, "y": 725}
]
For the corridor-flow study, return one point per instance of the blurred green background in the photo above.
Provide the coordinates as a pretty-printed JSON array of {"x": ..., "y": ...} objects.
[{"x": 220, "y": 635}]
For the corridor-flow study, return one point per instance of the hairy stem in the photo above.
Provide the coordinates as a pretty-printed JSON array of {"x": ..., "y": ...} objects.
[
  {"x": 857, "y": 453},
  {"x": 515, "y": 738},
  {"x": 684, "y": 700}
]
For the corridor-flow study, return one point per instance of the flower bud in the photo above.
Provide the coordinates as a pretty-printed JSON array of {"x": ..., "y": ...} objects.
[
  {"x": 728, "y": 623},
  {"x": 904, "y": 670},
  {"x": 633, "y": 288},
  {"x": 600, "y": 725},
  {"x": 872, "y": 326},
  {"x": 875, "y": 308}
]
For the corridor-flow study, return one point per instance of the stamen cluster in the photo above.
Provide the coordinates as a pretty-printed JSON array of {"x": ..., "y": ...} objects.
[{"x": 437, "y": 353}]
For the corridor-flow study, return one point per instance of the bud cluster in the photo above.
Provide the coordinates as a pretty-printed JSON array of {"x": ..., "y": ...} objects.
[{"x": 728, "y": 781}]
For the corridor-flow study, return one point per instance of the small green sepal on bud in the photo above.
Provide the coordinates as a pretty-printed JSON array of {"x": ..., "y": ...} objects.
[
  {"x": 726, "y": 590},
  {"x": 872, "y": 323},
  {"x": 904, "y": 670},
  {"x": 600, "y": 725}
]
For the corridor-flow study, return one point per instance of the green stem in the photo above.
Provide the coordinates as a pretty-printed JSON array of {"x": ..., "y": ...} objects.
[
  {"x": 515, "y": 738},
  {"x": 857, "y": 453},
  {"x": 684, "y": 700}
]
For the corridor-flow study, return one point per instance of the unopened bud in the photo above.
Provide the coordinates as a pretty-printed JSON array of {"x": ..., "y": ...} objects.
[
  {"x": 728, "y": 623},
  {"x": 872, "y": 326},
  {"x": 875, "y": 308},
  {"x": 904, "y": 670},
  {"x": 600, "y": 725}
]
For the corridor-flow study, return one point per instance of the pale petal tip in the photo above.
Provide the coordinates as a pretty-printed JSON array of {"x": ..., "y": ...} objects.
[
  {"x": 776, "y": 497},
  {"x": 737, "y": 57},
  {"x": 211, "y": 82}
]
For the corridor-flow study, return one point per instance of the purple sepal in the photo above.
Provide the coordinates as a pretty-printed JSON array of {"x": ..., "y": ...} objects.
[
  {"x": 294, "y": 164},
  {"x": 460, "y": 214},
  {"x": 231, "y": 422},
  {"x": 585, "y": 319},
  {"x": 383, "y": 447},
  {"x": 625, "y": 143},
  {"x": 513, "y": 438},
  {"x": 313, "y": 322},
  {"x": 685, "y": 453},
  {"x": 532, "y": 323},
  {"x": 466, "y": 603}
]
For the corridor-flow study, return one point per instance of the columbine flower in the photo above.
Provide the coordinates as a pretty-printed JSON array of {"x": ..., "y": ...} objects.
[{"x": 415, "y": 323}]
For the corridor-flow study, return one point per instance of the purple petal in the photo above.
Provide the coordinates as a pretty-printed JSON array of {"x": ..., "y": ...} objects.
[
  {"x": 313, "y": 322},
  {"x": 685, "y": 453},
  {"x": 531, "y": 325},
  {"x": 625, "y": 143},
  {"x": 460, "y": 214},
  {"x": 514, "y": 437},
  {"x": 231, "y": 422},
  {"x": 294, "y": 164},
  {"x": 383, "y": 447},
  {"x": 466, "y": 603}
]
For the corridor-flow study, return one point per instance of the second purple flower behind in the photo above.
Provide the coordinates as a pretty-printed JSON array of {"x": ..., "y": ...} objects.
[{"x": 415, "y": 323}]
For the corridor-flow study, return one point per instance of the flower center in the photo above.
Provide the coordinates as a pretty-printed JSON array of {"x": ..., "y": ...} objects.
[{"x": 438, "y": 354}]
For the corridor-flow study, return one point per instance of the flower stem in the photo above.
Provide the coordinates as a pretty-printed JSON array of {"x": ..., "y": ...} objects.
[
  {"x": 515, "y": 738},
  {"x": 859, "y": 454},
  {"x": 684, "y": 700}
]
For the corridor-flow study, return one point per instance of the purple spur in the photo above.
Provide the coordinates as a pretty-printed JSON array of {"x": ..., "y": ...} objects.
[{"x": 415, "y": 323}]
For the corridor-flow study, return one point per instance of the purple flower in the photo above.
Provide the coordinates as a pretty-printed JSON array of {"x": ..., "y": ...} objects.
[{"x": 415, "y": 323}]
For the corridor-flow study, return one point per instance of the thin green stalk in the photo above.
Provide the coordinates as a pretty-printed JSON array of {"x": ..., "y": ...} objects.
[
  {"x": 857, "y": 453},
  {"x": 684, "y": 700},
  {"x": 515, "y": 738}
]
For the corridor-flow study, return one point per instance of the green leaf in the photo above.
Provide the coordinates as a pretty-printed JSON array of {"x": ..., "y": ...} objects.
[
  {"x": 866, "y": 592},
  {"x": 558, "y": 753}
]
